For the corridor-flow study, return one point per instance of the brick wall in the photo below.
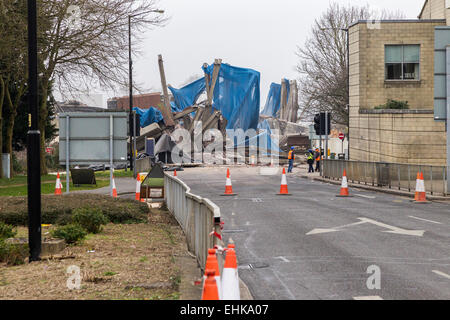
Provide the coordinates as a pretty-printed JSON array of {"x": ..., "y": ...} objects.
[
  {"x": 409, "y": 136},
  {"x": 143, "y": 101}
]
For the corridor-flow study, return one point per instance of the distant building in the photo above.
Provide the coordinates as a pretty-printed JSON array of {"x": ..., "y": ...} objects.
[
  {"x": 395, "y": 59},
  {"x": 143, "y": 101},
  {"x": 75, "y": 106}
]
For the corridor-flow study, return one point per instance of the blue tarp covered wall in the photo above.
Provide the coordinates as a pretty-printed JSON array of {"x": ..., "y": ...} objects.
[{"x": 273, "y": 101}]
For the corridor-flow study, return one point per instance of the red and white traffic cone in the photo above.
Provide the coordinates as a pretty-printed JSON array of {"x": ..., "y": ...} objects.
[
  {"x": 284, "y": 187},
  {"x": 114, "y": 189},
  {"x": 138, "y": 187},
  {"x": 230, "y": 277},
  {"x": 58, "y": 186},
  {"x": 420, "y": 196},
  {"x": 213, "y": 264},
  {"x": 228, "y": 185},
  {"x": 344, "y": 186},
  {"x": 210, "y": 290}
]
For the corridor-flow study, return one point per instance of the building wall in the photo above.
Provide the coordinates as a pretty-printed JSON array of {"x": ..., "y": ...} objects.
[
  {"x": 404, "y": 136},
  {"x": 143, "y": 101},
  {"x": 433, "y": 9}
]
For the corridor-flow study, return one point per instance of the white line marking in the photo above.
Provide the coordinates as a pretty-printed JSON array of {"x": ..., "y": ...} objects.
[
  {"x": 368, "y": 298},
  {"x": 442, "y": 274},
  {"x": 392, "y": 229},
  {"x": 283, "y": 259},
  {"x": 425, "y": 220},
  {"x": 364, "y": 196}
]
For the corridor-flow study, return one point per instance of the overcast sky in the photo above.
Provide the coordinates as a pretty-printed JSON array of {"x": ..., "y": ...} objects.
[{"x": 258, "y": 34}]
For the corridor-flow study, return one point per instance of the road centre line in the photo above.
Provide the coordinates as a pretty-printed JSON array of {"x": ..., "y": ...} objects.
[
  {"x": 442, "y": 274},
  {"x": 368, "y": 298},
  {"x": 425, "y": 220}
]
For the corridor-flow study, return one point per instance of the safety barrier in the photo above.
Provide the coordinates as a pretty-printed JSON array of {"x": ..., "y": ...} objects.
[
  {"x": 198, "y": 217},
  {"x": 388, "y": 175}
]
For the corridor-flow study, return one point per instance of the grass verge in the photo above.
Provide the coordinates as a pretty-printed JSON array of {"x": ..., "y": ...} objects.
[{"x": 125, "y": 261}]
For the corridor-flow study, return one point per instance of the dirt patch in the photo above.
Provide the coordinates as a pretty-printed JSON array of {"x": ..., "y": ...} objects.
[{"x": 125, "y": 261}]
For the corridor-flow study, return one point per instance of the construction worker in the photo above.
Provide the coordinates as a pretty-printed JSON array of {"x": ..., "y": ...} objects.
[
  {"x": 310, "y": 161},
  {"x": 291, "y": 158},
  {"x": 318, "y": 156}
]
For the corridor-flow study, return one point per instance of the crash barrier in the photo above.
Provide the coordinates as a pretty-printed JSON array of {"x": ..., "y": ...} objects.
[
  {"x": 388, "y": 175},
  {"x": 198, "y": 217}
]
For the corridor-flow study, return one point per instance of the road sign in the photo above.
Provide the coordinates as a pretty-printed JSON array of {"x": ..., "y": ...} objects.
[{"x": 341, "y": 136}]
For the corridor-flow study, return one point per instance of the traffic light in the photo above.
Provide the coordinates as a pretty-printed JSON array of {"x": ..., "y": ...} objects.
[
  {"x": 317, "y": 124},
  {"x": 320, "y": 124}
]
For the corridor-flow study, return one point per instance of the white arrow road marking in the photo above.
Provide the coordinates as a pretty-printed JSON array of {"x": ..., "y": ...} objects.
[
  {"x": 392, "y": 229},
  {"x": 425, "y": 220},
  {"x": 442, "y": 274},
  {"x": 368, "y": 298}
]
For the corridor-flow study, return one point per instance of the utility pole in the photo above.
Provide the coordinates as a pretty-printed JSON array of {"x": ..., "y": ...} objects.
[
  {"x": 33, "y": 140},
  {"x": 130, "y": 116}
]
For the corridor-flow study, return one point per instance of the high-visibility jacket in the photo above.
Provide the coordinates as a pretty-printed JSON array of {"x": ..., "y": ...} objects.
[{"x": 291, "y": 155}]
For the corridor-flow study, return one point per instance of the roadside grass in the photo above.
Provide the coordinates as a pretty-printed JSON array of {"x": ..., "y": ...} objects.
[
  {"x": 123, "y": 262},
  {"x": 17, "y": 186}
]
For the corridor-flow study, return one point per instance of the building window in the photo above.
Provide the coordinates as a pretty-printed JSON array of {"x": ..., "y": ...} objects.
[{"x": 402, "y": 62}]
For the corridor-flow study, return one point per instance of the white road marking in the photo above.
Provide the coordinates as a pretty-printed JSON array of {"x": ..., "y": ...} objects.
[
  {"x": 283, "y": 259},
  {"x": 425, "y": 220},
  {"x": 392, "y": 229},
  {"x": 442, "y": 274},
  {"x": 364, "y": 196},
  {"x": 368, "y": 298}
]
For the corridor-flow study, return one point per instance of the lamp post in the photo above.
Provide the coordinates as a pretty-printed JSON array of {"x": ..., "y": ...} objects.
[
  {"x": 130, "y": 72},
  {"x": 33, "y": 140}
]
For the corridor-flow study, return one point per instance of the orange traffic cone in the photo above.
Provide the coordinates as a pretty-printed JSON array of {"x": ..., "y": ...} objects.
[
  {"x": 284, "y": 188},
  {"x": 58, "y": 186},
  {"x": 228, "y": 186},
  {"x": 114, "y": 190},
  {"x": 420, "y": 196},
  {"x": 175, "y": 173},
  {"x": 230, "y": 277},
  {"x": 344, "y": 186},
  {"x": 138, "y": 187},
  {"x": 210, "y": 290},
  {"x": 213, "y": 264}
]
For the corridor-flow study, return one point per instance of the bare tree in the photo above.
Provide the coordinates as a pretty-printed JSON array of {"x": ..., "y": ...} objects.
[
  {"x": 323, "y": 60},
  {"x": 12, "y": 68},
  {"x": 86, "y": 41}
]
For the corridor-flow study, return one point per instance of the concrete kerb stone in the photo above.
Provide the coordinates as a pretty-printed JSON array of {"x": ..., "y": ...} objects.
[{"x": 376, "y": 189}]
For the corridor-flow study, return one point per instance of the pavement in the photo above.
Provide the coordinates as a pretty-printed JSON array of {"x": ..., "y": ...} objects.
[{"x": 313, "y": 245}]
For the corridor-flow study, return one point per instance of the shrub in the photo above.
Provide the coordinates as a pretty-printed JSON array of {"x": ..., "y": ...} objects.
[
  {"x": 394, "y": 104},
  {"x": 6, "y": 231},
  {"x": 13, "y": 254},
  {"x": 71, "y": 233},
  {"x": 59, "y": 209},
  {"x": 90, "y": 219}
]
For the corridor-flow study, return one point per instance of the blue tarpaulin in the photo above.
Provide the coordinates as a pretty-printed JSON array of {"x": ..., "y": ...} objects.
[
  {"x": 148, "y": 116},
  {"x": 273, "y": 101},
  {"x": 188, "y": 95},
  {"x": 236, "y": 96}
]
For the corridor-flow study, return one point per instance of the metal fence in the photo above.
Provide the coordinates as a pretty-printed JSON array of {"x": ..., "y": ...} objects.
[
  {"x": 197, "y": 216},
  {"x": 388, "y": 175}
]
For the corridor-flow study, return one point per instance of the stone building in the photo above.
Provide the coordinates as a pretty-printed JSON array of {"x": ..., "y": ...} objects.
[{"x": 395, "y": 60}]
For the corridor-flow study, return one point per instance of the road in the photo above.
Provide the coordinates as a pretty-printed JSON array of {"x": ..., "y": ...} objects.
[{"x": 313, "y": 245}]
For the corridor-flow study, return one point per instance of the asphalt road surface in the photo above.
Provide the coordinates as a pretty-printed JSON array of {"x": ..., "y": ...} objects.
[{"x": 313, "y": 245}]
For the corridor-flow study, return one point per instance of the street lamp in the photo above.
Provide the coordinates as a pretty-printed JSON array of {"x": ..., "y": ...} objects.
[
  {"x": 33, "y": 140},
  {"x": 130, "y": 72}
]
